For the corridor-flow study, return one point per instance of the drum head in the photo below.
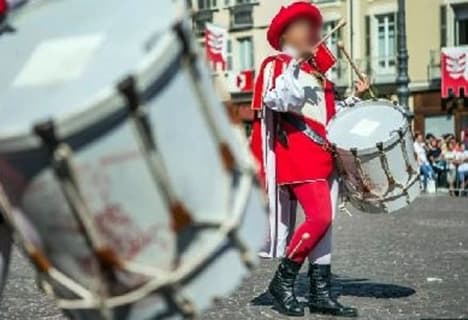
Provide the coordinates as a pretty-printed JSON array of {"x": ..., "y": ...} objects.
[
  {"x": 365, "y": 124},
  {"x": 61, "y": 53}
]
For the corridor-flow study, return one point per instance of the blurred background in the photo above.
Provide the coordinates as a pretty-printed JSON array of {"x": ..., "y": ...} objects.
[
  {"x": 371, "y": 37},
  {"x": 415, "y": 52}
]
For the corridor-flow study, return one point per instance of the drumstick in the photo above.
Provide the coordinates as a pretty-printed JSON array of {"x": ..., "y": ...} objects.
[
  {"x": 340, "y": 25},
  {"x": 360, "y": 75},
  {"x": 304, "y": 237}
]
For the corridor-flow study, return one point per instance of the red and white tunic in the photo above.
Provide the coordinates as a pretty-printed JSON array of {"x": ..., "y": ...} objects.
[{"x": 283, "y": 86}]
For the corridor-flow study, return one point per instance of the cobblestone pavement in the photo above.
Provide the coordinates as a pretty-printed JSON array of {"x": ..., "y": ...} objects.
[{"x": 412, "y": 265}]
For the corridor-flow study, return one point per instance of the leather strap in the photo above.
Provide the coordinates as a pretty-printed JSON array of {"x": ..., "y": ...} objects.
[{"x": 305, "y": 129}]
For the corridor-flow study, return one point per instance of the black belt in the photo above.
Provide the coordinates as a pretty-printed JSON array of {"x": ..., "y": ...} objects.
[{"x": 302, "y": 126}]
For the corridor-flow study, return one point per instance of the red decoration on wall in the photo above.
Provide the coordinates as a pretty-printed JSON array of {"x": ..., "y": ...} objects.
[
  {"x": 216, "y": 45},
  {"x": 245, "y": 81},
  {"x": 454, "y": 71}
]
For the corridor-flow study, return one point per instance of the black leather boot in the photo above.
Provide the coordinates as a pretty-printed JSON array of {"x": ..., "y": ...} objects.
[
  {"x": 282, "y": 288},
  {"x": 320, "y": 299}
]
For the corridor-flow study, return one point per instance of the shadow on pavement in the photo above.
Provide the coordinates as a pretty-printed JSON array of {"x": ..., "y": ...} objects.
[
  {"x": 342, "y": 286},
  {"x": 370, "y": 289}
]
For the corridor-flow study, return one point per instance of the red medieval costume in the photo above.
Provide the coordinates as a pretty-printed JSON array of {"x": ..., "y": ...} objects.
[{"x": 290, "y": 96}]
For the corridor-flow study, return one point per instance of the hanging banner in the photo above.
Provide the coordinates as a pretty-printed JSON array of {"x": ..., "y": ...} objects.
[
  {"x": 454, "y": 71},
  {"x": 216, "y": 46}
]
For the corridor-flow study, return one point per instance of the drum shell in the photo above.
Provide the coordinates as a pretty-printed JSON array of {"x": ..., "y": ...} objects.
[
  {"x": 126, "y": 204},
  {"x": 363, "y": 171}
]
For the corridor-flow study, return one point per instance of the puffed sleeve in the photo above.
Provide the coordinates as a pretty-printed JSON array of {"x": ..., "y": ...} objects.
[{"x": 288, "y": 94}]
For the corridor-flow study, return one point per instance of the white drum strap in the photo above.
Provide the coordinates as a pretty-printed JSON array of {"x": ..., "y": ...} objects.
[
  {"x": 144, "y": 134},
  {"x": 409, "y": 168},
  {"x": 169, "y": 283},
  {"x": 37, "y": 256},
  {"x": 189, "y": 61},
  {"x": 365, "y": 183},
  {"x": 362, "y": 176}
]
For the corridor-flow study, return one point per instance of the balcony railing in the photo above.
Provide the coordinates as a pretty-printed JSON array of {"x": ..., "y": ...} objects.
[
  {"x": 433, "y": 69},
  {"x": 242, "y": 16},
  {"x": 200, "y": 19},
  {"x": 382, "y": 70}
]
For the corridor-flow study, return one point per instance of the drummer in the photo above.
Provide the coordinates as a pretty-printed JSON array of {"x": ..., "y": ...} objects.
[{"x": 300, "y": 99}]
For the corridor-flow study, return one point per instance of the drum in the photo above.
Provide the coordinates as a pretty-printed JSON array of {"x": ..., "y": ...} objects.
[
  {"x": 373, "y": 148},
  {"x": 124, "y": 181}
]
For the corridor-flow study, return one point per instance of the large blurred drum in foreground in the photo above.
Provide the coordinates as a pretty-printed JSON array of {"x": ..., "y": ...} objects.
[
  {"x": 375, "y": 157},
  {"x": 138, "y": 201}
]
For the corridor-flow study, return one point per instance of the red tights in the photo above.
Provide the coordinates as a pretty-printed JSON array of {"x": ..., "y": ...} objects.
[{"x": 315, "y": 200}]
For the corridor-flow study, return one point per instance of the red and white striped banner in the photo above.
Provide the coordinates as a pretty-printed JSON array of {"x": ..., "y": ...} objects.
[
  {"x": 454, "y": 71},
  {"x": 216, "y": 46}
]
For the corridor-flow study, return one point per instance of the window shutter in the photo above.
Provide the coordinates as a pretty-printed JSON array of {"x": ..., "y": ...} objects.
[
  {"x": 443, "y": 26},
  {"x": 396, "y": 23},
  {"x": 368, "y": 43},
  {"x": 338, "y": 38},
  {"x": 368, "y": 36}
]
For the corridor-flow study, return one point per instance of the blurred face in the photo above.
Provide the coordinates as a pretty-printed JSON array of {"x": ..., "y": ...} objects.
[
  {"x": 451, "y": 144},
  {"x": 301, "y": 34},
  {"x": 419, "y": 138}
]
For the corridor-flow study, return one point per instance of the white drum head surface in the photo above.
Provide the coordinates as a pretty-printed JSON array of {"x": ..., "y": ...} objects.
[
  {"x": 364, "y": 125},
  {"x": 61, "y": 53}
]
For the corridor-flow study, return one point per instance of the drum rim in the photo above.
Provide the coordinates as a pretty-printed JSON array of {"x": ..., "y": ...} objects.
[
  {"x": 386, "y": 144},
  {"x": 412, "y": 185},
  {"x": 105, "y": 102}
]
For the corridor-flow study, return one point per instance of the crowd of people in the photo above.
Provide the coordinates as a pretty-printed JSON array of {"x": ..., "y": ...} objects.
[{"x": 443, "y": 161}]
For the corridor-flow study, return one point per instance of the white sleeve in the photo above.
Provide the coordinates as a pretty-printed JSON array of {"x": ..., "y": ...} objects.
[
  {"x": 288, "y": 93},
  {"x": 347, "y": 102}
]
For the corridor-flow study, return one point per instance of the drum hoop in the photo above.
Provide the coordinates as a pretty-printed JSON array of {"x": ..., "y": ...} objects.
[
  {"x": 407, "y": 186},
  {"x": 394, "y": 140},
  {"x": 387, "y": 144},
  {"x": 108, "y": 103}
]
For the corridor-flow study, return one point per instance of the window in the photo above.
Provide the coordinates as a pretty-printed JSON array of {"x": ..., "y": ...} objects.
[
  {"x": 461, "y": 24},
  {"x": 439, "y": 125},
  {"x": 206, "y": 4},
  {"x": 332, "y": 44},
  {"x": 241, "y": 14},
  {"x": 229, "y": 54},
  {"x": 443, "y": 26},
  {"x": 246, "y": 59},
  {"x": 385, "y": 41}
]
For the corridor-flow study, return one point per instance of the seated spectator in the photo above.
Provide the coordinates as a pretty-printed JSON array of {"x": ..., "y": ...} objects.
[
  {"x": 464, "y": 137},
  {"x": 434, "y": 153},
  {"x": 421, "y": 156},
  {"x": 449, "y": 156},
  {"x": 463, "y": 167}
]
